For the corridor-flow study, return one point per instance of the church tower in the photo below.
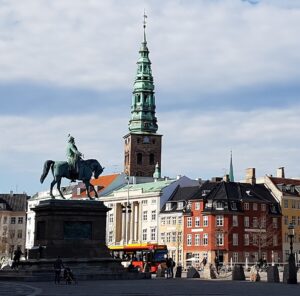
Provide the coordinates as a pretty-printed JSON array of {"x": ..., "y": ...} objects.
[{"x": 142, "y": 144}]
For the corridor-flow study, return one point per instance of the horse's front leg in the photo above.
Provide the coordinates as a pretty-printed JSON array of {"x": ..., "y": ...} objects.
[
  {"x": 87, "y": 186},
  {"x": 96, "y": 194},
  {"x": 58, "y": 188}
]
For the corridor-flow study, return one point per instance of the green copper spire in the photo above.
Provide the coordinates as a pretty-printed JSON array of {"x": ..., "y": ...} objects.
[
  {"x": 231, "y": 176},
  {"x": 143, "y": 118}
]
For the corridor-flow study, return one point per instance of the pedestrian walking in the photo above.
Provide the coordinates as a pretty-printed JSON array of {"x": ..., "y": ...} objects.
[{"x": 58, "y": 265}]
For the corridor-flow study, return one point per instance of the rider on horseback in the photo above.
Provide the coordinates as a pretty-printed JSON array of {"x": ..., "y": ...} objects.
[{"x": 73, "y": 157}]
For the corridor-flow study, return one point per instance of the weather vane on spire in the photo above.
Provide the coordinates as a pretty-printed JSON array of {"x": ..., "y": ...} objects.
[{"x": 144, "y": 21}]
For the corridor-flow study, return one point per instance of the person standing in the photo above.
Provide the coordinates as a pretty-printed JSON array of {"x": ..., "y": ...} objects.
[{"x": 58, "y": 265}]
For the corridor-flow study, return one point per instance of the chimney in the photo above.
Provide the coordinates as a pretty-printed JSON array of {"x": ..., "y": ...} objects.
[
  {"x": 11, "y": 193},
  {"x": 280, "y": 173},
  {"x": 250, "y": 176},
  {"x": 226, "y": 178}
]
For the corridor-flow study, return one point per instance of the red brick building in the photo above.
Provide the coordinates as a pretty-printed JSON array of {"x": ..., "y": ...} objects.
[{"x": 232, "y": 221}]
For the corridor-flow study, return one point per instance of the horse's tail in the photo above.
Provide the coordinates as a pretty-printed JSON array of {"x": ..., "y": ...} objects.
[{"x": 48, "y": 164}]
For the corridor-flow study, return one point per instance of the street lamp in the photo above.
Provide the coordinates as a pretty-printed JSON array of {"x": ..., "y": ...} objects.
[{"x": 291, "y": 235}]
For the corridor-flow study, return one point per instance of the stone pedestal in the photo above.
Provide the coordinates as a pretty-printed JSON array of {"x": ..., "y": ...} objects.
[
  {"x": 290, "y": 271},
  {"x": 70, "y": 229},
  {"x": 273, "y": 274},
  {"x": 75, "y": 231},
  {"x": 238, "y": 273}
]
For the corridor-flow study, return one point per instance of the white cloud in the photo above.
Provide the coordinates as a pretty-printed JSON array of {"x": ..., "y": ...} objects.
[
  {"x": 205, "y": 46},
  {"x": 197, "y": 145}
]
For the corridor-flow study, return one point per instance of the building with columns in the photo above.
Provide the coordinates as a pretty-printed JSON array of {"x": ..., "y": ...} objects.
[{"x": 134, "y": 210}]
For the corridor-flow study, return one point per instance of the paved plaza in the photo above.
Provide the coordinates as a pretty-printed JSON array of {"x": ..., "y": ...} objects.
[{"x": 155, "y": 287}]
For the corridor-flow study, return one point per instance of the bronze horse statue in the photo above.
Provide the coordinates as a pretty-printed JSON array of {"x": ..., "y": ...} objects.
[{"x": 60, "y": 169}]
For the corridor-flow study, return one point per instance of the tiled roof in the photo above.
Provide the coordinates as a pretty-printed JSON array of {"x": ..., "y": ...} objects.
[
  {"x": 102, "y": 182},
  {"x": 14, "y": 202},
  {"x": 285, "y": 181}
]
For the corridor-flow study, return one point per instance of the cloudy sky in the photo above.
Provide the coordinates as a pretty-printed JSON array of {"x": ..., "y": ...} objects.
[{"x": 226, "y": 74}]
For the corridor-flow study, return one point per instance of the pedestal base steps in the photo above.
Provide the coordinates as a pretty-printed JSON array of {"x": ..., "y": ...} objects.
[{"x": 83, "y": 269}]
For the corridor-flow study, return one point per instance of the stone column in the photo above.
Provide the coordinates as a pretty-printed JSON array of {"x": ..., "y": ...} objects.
[
  {"x": 140, "y": 222},
  {"x": 136, "y": 221},
  {"x": 131, "y": 237},
  {"x": 123, "y": 225}
]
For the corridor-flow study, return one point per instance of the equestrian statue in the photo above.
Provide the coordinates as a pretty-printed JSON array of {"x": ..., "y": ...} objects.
[{"x": 75, "y": 168}]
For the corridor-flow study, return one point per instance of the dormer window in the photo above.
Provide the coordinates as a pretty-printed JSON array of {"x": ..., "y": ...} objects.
[
  {"x": 208, "y": 205},
  {"x": 205, "y": 192},
  {"x": 220, "y": 205},
  {"x": 168, "y": 207},
  {"x": 2, "y": 206},
  {"x": 233, "y": 205},
  {"x": 180, "y": 205}
]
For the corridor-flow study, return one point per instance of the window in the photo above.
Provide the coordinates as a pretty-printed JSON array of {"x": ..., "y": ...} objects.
[
  {"x": 205, "y": 220},
  {"x": 153, "y": 201},
  {"x": 168, "y": 237},
  {"x": 162, "y": 237},
  {"x": 197, "y": 206},
  {"x": 275, "y": 224},
  {"x": 220, "y": 239},
  {"x": 286, "y": 220},
  {"x": 235, "y": 239},
  {"x": 254, "y": 222},
  {"x": 145, "y": 215},
  {"x": 294, "y": 220},
  {"x": 205, "y": 239},
  {"x": 139, "y": 158},
  {"x": 254, "y": 239},
  {"x": 20, "y": 233},
  {"x": 174, "y": 237},
  {"x": 286, "y": 203},
  {"x": 153, "y": 215},
  {"x": 13, "y": 220},
  {"x": 275, "y": 240},
  {"x": 235, "y": 221},
  {"x": 144, "y": 202},
  {"x": 254, "y": 206},
  {"x": 246, "y": 239},
  {"x": 189, "y": 239},
  {"x": 197, "y": 239},
  {"x": 220, "y": 205},
  {"x": 180, "y": 205},
  {"x": 235, "y": 257},
  {"x": 12, "y": 234},
  {"x": 197, "y": 221},
  {"x": 153, "y": 234},
  {"x": 168, "y": 220},
  {"x": 163, "y": 221},
  {"x": 179, "y": 236},
  {"x": 179, "y": 220},
  {"x": 293, "y": 204},
  {"x": 189, "y": 222},
  {"x": 219, "y": 220},
  {"x": 111, "y": 218},
  {"x": 233, "y": 206},
  {"x": 151, "y": 159},
  {"x": 246, "y": 206},
  {"x": 246, "y": 221},
  {"x": 5, "y": 220},
  {"x": 263, "y": 207},
  {"x": 145, "y": 234},
  {"x": 110, "y": 236},
  {"x": 174, "y": 220},
  {"x": 168, "y": 206}
]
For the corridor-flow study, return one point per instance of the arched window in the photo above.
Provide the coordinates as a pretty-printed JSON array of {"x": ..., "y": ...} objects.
[
  {"x": 139, "y": 158},
  {"x": 151, "y": 158}
]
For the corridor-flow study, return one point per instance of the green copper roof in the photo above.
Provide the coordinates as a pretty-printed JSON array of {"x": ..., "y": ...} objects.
[
  {"x": 146, "y": 187},
  {"x": 143, "y": 118}
]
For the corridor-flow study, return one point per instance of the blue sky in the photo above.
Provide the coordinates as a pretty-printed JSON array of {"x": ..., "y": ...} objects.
[{"x": 226, "y": 75}]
